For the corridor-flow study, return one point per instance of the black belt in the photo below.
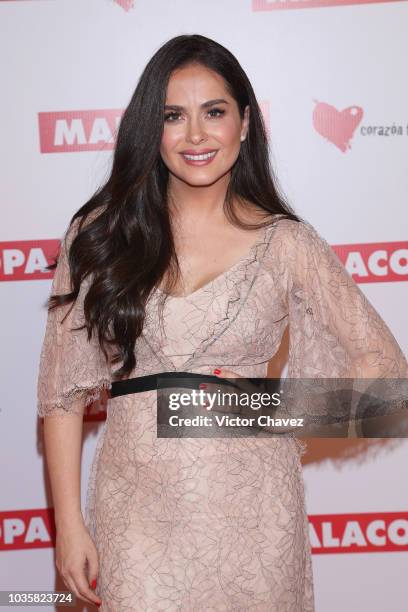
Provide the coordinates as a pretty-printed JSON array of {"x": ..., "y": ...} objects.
[{"x": 150, "y": 382}]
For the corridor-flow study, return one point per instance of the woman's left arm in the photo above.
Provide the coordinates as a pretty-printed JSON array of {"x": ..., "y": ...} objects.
[{"x": 334, "y": 331}]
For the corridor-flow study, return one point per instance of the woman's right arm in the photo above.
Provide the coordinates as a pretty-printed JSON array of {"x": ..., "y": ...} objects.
[
  {"x": 76, "y": 555},
  {"x": 63, "y": 441},
  {"x": 72, "y": 373}
]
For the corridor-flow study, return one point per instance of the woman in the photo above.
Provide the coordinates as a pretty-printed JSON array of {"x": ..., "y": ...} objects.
[{"x": 188, "y": 260}]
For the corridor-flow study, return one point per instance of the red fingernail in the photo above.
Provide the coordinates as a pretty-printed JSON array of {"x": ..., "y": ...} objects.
[
  {"x": 202, "y": 386},
  {"x": 93, "y": 584},
  {"x": 217, "y": 371},
  {"x": 99, "y": 604}
]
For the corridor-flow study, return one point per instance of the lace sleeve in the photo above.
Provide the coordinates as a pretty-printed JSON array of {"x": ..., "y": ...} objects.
[
  {"x": 71, "y": 367},
  {"x": 334, "y": 330}
]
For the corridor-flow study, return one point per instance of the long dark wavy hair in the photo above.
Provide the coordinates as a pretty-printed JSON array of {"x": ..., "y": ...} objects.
[{"x": 127, "y": 247}]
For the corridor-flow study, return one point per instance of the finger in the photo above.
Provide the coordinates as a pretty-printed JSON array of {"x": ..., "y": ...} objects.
[
  {"x": 233, "y": 390},
  {"x": 70, "y": 584},
  {"x": 245, "y": 385},
  {"x": 211, "y": 389},
  {"x": 224, "y": 373},
  {"x": 85, "y": 592},
  {"x": 93, "y": 570},
  {"x": 241, "y": 382}
]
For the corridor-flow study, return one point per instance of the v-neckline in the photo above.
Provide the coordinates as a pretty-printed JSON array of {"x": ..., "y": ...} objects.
[{"x": 220, "y": 276}]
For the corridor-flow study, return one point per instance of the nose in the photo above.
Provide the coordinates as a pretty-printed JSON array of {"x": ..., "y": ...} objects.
[{"x": 195, "y": 131}]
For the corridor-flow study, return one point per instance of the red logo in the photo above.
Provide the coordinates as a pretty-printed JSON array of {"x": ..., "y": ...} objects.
[
  {"x": 363, "y": 532},
  {"x": 27, "y": 529},
  {"x": 279, "y": 5},
  {"x": 27, "y": 260},
  {"x": 337, "y": 126},
  {"x": 378, "y": 262},
  {"x": 66, "y": 131}
]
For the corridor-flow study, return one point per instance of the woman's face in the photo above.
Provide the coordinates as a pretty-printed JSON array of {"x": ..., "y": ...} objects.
[{"x": 203, "y": 129}]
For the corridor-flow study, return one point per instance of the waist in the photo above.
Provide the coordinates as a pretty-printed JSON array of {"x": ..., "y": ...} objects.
[{"x": 163, "y": 380}]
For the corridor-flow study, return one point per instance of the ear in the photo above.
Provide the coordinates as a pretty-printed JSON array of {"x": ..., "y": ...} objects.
[{"x": 245, "y": 124}]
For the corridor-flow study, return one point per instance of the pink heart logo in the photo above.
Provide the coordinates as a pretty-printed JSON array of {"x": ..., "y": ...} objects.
[
  {"x": 337, "y": 126},
  {"x": 125, "y": 4}
]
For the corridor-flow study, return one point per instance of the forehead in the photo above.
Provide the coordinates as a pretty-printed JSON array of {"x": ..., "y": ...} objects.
[{"x": 195, "y": 83}]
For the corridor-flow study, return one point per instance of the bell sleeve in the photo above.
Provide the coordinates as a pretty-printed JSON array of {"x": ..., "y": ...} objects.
[
  {"x": 72, "y": 370},
  {"x": 334, "y": 331}
]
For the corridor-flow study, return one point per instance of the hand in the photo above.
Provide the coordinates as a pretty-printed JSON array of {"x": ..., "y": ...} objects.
[
  {"x": 241, "y": 383},
  {"x": 248, "y": 387},
  {"x": 74, "y": 551},
  {"x": 244, "y": 384},
  {"x": 224, "y": 373}
]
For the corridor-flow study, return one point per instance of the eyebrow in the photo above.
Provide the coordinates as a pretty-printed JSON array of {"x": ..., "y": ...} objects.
[{"x": 204, "y": 105}]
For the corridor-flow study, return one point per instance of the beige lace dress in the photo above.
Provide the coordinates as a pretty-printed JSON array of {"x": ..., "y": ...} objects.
[{"x": 200, "y": 525}]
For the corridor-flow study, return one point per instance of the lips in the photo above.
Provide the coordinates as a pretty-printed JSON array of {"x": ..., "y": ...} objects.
[
  {"x": 196, "y": 151},
  {"x": 199, "y": 158}
]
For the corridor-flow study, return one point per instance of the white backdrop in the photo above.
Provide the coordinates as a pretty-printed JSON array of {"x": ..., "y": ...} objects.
[{"x": 331, "y": 82}]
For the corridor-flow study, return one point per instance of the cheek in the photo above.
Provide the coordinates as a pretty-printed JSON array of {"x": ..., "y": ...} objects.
[
  {"x": 168, "y": 141},
  {"x": 228, "y": 133}
]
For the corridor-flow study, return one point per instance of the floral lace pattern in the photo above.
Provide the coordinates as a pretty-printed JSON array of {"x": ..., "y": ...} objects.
[
  {"x": 189, "y": 525},
  {"x": 72, "y": 371}
]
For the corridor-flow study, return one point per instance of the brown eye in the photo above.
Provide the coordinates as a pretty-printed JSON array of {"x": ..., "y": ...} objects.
[
  {"x": 218, "y": 112},
  {"x": 171, "y": 116}
]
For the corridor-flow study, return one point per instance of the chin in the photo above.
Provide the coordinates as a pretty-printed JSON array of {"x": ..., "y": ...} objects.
[
  {"x": 196, "y": 179},
  {"x": 200, "y": 182}
]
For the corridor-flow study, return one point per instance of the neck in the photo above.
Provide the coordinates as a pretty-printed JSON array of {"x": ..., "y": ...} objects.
[{"x": 196, "y": 204}]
